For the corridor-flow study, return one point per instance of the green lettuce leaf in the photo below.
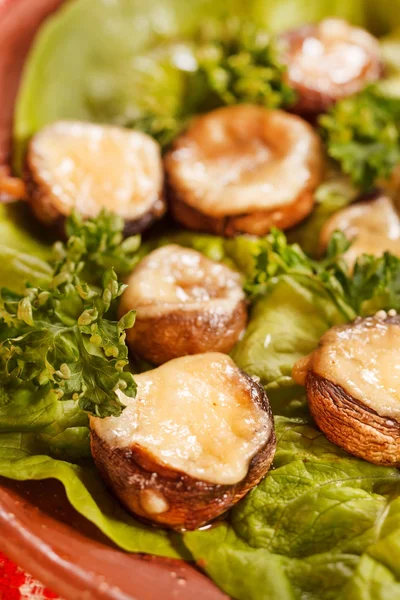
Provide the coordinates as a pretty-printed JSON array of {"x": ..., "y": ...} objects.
[
  {"x": 312, "y": 529},
  {"x": 118, "y": 70},
  {"x": 22, "y": 255},
  {"x": 41, "y": 437},
  {"x": 284, "y": 325},
  {"x": 280, "y": 15},
  {"x": 19, "y": 459},
  {"x": 38, "y": 435},
  {"x": 307, "y": 530},
  {"x": 18, "y": 231}
]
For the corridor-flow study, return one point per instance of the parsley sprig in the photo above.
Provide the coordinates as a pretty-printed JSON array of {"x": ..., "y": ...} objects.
[
  {"x": 241, "y": 64},
  {"x": 363, "y": 134},
  {"x": 231, "y": 62},
  {"x": 59, "y": 337},
  {"x": 372, "y": 285}
]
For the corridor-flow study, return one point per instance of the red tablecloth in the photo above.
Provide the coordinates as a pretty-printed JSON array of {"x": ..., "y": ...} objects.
[{"x": 15, "y": 584}]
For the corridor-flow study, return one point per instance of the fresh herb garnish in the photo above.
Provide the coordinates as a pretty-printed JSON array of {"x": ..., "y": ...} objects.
[
  {"x": 230, "y": 63},
  {"x": 240, "y": 63},
  {"x": 162, "y": 128},
  {"x": 372, "y": 285},
  {"x": 363, "y": 133},
  {"x": 58, "y": 337},
  {"x": 100, "y": 244}
]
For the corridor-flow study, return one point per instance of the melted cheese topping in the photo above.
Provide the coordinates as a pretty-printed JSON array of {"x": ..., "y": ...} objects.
[
  {"x": 90, "y": 167},
  {"x": 242, "y": 158},
  {"x": 363, "y": 359},
  {"x": 185, "y": 279},
  {"x": 372, "y": 226},
  {"x": 195, "y": 414},
  {"x": 334, "y": 55}
]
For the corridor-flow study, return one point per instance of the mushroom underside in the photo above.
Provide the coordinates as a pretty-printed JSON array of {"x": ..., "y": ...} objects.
[
  {"x": 255, "y": 223},
  {"x": 181, "y": 332},
  {"x": 352, "y": 425}
]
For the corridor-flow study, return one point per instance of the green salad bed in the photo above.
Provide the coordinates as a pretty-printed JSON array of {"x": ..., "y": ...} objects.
[{"x": 322, "y": 525}]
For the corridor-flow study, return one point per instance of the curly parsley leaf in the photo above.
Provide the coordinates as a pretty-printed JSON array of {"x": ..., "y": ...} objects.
[
  {"x": 363, "y": 134},
  {"x": 59, "y": 337},
  {"x": 372, "y": 285},
  {"x": 226, "y": 63},
  {"x": 100, "y": 244},
  {"x": 241, "y": 64}
]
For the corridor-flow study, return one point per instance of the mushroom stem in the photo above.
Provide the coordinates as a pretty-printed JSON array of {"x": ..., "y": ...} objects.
[{"x": 11, "y": 188}]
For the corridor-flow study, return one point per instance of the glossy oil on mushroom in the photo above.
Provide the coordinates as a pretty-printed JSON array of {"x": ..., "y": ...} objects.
[{"x": 197, "y": 437}]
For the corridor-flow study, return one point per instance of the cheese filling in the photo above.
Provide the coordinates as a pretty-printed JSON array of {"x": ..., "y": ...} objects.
[
  {"x": 243, "y": 159},
  {"x": 195, "y": 414},
  {"x": 89, "y": 167},
  {"x": 185, "y": 279},
  {"x": 363, "y": 359}
]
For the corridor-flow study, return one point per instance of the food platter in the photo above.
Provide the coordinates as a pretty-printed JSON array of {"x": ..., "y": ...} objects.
[{"x": 200, "y": 298}]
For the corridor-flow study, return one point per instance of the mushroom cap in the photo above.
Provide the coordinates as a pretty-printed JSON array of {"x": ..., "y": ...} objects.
[
  {"x": 352, "y": 425},
  {"x": 373, "y": 227},
  {"x": 328, "y": 61},
  {"x": 175, "y": 476},
  {"x": 88, "y": 167},
  {"x": 352, "y": 383},
  {"x": 244, "y": 168},
  {"x": 197, "y": 306}
]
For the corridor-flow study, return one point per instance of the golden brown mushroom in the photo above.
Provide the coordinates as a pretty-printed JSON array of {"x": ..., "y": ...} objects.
[
  {"x": 353, "y": 387},
  {"x": 197, "y": 437},
  {"x": 185, "y": 303},
  {"x": 244, "y": 169},
  {"x": 329, "y": 61},
  {"x": 88, "y": 167},
  {"x": 373, "y": 227}
]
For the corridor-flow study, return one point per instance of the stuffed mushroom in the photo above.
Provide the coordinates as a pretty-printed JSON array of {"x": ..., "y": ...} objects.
[
  {"x": 372, "y": 227},
  {"x": 353, "y": 383},
  {"x": 244, "y": 169},
  {"x": 185, "y": 303},
  {"x": 88, "y": 167},
  {"x": 197, "y": 437},
  {"x": 329, "y": 61}
]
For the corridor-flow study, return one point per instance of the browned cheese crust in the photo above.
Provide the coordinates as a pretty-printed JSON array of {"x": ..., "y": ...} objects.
[{"x": 134, "y": 473}]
